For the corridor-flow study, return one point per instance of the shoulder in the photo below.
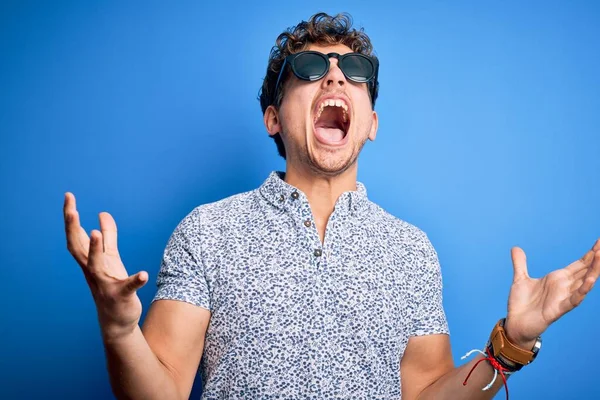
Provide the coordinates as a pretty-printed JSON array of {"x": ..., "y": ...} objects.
[
  {"x": 399, "y": 230},
  {"x": 230, "y": 210},
  {"x": 408, "y": 243}
]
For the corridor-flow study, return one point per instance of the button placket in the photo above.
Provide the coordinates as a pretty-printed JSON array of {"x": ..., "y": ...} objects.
[
  {"x": 311, "y": 234},
  {"x": 330, "y": 230}
]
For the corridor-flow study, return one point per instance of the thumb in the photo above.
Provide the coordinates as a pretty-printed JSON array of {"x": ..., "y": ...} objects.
[
  {"x": 519, "y": 264},
  {"x": 134, "y": 283}
]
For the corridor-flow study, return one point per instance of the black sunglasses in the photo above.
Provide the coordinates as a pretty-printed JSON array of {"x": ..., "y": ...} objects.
[{"x": 312, "y": 66}]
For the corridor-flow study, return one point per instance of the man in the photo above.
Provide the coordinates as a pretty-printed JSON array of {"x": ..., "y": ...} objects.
[{"x": 303, "y": 288}]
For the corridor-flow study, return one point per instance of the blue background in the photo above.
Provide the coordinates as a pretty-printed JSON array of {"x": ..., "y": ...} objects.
[{"x": 488, "y": 139}]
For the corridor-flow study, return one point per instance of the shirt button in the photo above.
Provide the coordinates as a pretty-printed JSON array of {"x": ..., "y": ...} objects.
[
  {"x": 307, "y": 223},
  {"x": 318, "y": 252},
  {"x": 295, "y": 195},
  {"x": 281, "y": 198}
]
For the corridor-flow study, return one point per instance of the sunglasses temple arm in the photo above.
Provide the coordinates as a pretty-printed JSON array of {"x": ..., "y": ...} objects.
[
  {"x": 375, "y": 78},
  {"x": 278, "y": 80}
]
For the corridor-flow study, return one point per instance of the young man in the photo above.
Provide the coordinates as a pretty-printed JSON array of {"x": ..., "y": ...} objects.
[{"x": 304, "y": 288}]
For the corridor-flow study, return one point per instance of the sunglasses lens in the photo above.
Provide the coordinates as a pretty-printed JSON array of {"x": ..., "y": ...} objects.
[
  {"x": 357, "y": 68},
  {"x": 310, "y": 66}
]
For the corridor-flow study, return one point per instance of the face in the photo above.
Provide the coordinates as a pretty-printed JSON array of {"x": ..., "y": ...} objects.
[{"x": 324, "y": 124}]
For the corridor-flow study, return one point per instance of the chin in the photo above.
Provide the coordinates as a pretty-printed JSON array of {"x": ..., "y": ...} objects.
[{"x": 332, "y": 163}]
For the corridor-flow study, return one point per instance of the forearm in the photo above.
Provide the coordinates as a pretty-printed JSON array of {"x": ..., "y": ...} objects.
[
  {"x": 450, "y": 385},
  {"x": 135, "y": 371}
]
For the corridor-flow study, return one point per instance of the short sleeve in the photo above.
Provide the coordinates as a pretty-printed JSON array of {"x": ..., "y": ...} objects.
[
  {"x": 428, "y": 316},
  {"x": 182, "y": 275}
]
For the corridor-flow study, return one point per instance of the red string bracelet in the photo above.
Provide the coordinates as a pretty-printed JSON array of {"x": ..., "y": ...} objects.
[{"x": 495, "y": 364}]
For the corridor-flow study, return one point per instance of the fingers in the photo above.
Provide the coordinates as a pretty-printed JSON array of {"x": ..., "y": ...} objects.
[
  {"x": 108, "y": 226},
  {"x": 115, "y": 283},
  {"x": 519, "y": 264},
  {"x": 77, "y": 238},
  {"x": 134, "y": 283},
  {"x": 588, "y": 281},
  {"x": 579, "y": 275},
  {"x": 588, "y": 257},
  {"x": 581, "y": 269},
  {"x": 593, "y": 273},
  {"x": 596, "y": 246},
  {"x": 582, "y": 264},
  {"x": 96, "y": 253},
  {"x": 91, "y": 252}
]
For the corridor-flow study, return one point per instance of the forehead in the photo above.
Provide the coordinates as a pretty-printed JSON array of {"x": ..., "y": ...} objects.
[{"x": 329, "y": 48}]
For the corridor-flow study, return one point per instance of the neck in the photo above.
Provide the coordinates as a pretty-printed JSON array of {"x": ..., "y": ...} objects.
[{"x": 322, "y": 191}]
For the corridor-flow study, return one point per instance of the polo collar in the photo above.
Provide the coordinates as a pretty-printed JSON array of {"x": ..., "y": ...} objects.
[{"x": 287, "y": 197}]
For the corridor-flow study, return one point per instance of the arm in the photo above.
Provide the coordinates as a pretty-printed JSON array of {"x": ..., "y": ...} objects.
[
  {"x": 428, "y": 372},
  {"x": 160, "y": 360},
  {"x": 427, "y": 369}
]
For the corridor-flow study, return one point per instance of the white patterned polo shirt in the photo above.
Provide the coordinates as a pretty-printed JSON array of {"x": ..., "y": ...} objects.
[{"x": 294, "y": 318}]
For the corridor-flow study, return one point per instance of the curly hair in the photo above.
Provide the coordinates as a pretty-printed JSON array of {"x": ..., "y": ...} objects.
[{"x": 320, "y": 29}]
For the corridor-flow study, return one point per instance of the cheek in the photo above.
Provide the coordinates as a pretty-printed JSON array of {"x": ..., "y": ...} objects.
[
  {"x": 292, "y": 123},
  {"x": 364, "y": 118},
  {"x": 294, "y": 115},
  {"x": 363, "y": 110}
]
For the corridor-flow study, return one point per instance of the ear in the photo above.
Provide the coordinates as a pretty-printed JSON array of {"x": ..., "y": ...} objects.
[
  {"x": 271, "y": 120},
  {"x": 374, "y": 127}
]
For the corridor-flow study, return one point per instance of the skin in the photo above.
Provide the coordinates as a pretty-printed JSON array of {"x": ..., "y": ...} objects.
[
  {"x": 160, "y": 359},
  {"x": 322, "y": 172}
]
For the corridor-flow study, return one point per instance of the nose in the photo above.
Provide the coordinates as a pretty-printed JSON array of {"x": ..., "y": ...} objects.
[{"x": 335, "y": 78}]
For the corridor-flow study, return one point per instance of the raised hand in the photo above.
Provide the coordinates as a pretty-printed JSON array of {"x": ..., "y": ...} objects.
[
  {"x": 114, "y": 291},
  {"x": 534, "y": 304}
]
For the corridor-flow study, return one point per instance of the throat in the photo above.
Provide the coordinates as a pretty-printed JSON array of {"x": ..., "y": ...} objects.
[{"x": 321, "y": 227}]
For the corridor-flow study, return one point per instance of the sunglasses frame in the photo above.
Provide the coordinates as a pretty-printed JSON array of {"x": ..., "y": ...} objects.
[{"x": 371, "y": 81}]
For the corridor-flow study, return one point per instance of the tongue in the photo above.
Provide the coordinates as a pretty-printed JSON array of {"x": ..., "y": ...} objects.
[{"x": 329, "y": 135}]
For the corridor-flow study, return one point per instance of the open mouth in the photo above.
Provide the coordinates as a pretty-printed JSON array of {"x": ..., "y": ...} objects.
[{"x": 332, "y": 121}]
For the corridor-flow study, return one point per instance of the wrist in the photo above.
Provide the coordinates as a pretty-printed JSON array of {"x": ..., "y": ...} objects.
[
  {"x": 113, "y": 334},
  {"x": 518, "y": 340},
  {"x": 511, "y": 353}
]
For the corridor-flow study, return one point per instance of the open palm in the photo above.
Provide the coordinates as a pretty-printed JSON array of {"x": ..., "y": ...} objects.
[
  {"x": 534, "y": 304},
  {"x": 114, "y": 291}
]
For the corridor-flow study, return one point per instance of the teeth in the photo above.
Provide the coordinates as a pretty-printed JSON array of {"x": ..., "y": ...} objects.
[{"x": 333, "y": 103}]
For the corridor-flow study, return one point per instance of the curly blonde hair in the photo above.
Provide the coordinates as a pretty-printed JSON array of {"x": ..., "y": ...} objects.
[{"x": 320, "y": 29}]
